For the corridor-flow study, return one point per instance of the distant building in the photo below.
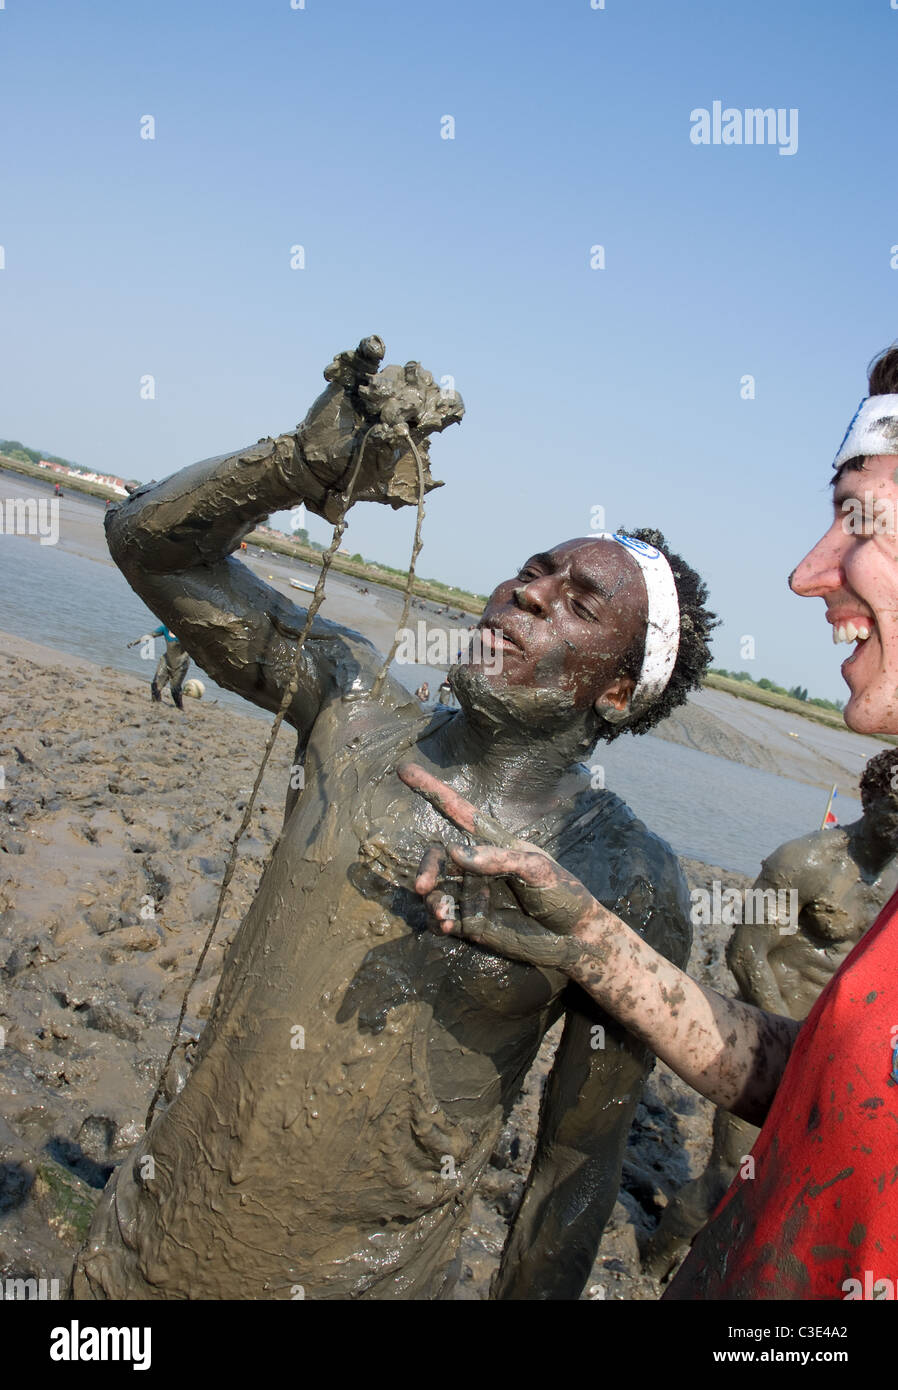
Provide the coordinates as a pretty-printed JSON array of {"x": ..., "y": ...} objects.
[{"x": 116, "y": 485}]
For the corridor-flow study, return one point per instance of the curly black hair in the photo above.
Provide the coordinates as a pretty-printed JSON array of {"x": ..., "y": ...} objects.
[
  {"x": 694, "y": 654},
  {"x": 880, "y": 779}
]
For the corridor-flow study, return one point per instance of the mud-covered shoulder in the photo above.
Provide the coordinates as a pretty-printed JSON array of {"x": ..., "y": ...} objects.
[
  {"x": 630, "y": 870},
  {"x": 347, "y": 662}
]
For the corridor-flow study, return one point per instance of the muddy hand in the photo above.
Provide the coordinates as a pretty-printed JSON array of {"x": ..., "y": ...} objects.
[
  {"x": 547, "y": 893},
  {"x": 386, "y": 409}
]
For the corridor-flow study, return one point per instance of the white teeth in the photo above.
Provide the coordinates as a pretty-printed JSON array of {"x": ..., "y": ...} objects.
[{"x": 847, "y": 632}]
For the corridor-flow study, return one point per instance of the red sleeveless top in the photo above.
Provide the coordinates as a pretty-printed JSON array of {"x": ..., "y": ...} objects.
[{"x": 822, "y": 1207}]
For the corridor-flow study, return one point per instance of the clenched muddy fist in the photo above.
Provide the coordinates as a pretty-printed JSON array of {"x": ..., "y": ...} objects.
[{"x": 378, "y": 412}]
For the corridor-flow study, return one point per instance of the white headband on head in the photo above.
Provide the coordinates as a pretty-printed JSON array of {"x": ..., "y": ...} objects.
[
  {"x": 662, "y": 629},
  {"x": 873, "y": 430}
]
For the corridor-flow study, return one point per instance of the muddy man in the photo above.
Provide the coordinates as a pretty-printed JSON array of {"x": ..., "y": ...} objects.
[
  {"x": 841, "y": 878},
  {"x": 356, "y": 1069}
]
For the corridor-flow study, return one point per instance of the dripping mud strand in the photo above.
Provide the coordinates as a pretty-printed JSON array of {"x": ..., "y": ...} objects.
[{"x": 416, "y": 550}]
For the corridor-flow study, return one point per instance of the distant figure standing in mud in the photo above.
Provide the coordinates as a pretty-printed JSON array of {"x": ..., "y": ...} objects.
[
  {"x": 173, "y": 665},
  {"x": 356, "y": 1069},
  {"x": 842, "y": 879}
]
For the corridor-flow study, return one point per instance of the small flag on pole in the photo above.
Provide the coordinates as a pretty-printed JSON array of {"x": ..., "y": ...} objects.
[{"x": 830, "y": 817}]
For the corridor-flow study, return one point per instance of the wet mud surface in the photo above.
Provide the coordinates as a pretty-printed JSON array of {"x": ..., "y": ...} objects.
[{"x": 115, "y": 820}]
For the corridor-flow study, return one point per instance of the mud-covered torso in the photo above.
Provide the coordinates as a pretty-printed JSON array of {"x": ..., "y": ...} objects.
[
  {"x": 353, "y": 1077},
  {"x": 337, "y": 907},
  {"x": 830, "y": 925}
]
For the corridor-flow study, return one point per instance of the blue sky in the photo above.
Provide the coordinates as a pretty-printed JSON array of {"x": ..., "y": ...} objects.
[{"x": 617, "y": 388}]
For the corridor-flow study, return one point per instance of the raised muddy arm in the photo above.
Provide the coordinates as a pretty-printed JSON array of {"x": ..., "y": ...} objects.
[{"x": 173, "y": 540}]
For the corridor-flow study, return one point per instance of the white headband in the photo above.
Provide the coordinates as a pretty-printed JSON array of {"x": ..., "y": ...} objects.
[
  {"x": 662, "y": 629},
  {"x": 873, "y": 430}
]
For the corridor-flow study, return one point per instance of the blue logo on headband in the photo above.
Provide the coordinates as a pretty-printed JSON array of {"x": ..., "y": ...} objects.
[
  {"x": 641, "y": 547},
  {"x": 851, "y": 427}
]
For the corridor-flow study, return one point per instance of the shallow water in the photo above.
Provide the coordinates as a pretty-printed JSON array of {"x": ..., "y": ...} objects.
[{"x": 707, "y": 807}]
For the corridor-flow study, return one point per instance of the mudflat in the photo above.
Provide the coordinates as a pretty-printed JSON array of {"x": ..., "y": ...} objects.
[{"x": 115, "y": 820}]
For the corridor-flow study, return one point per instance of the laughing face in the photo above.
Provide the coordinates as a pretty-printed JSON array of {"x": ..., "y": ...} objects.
[
  {"x": 854, "y": 568},
  {"x": 567, "y": 623}
]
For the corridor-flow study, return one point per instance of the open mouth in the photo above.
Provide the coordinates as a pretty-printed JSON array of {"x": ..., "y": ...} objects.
[
  {"x": 856, "y": 627},
  {"x": 494, "y": 638}
]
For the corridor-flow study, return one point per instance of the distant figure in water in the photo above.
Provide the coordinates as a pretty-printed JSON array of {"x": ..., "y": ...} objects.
[
  {"x": 843, "y": 876},
  {"x": 445, "y": 695},
  {"x": 423, "y": 692},
  {"x": 174, "y": 663}
]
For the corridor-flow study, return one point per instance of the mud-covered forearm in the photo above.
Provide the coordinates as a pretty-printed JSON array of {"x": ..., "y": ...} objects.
[
  {"x": 359, "y": 435},
  {"x": 552, "y": 1245},
  {"x": 356, "y": 443},
  {"x": 588, "y": 1106},
  {"x": 172, "y": 541},
  {"x": 728, "y": 1051},
  {"x": 201, "y": 514},
  {"x": 365, "y": 438}
]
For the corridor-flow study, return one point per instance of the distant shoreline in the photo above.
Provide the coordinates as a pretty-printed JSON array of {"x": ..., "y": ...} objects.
[{"x": 432, "y": 589}]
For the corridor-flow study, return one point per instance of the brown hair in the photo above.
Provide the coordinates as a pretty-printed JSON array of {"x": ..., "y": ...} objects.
[
  {"x": 882, "y": 374},
  {"x": 882, "y": 380}
]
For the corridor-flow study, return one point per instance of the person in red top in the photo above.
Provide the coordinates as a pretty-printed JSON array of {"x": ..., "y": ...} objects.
[{"x": 814, "y": 1215}]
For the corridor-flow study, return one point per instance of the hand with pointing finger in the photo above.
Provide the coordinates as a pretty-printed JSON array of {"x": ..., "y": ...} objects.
[{"x": 558, "y": 904}]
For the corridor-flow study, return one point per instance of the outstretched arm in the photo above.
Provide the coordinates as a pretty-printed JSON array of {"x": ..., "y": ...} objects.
[
  {"x": 728, "y": 1051},
  {"x": 173, "y": 540}
]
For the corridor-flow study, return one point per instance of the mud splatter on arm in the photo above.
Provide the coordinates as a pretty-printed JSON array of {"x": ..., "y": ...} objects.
[{"x": 728, "y": 1051}]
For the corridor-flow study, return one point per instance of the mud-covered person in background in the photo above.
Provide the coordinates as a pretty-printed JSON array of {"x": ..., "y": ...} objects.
[
  {"x": 173, "y": 665},
  {"x": 815, "y": 1214},
  {"x": 841, "y": 880}
]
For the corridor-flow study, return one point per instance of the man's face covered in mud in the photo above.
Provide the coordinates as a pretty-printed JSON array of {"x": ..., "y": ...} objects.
[{"x": 557, "y": 637}]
